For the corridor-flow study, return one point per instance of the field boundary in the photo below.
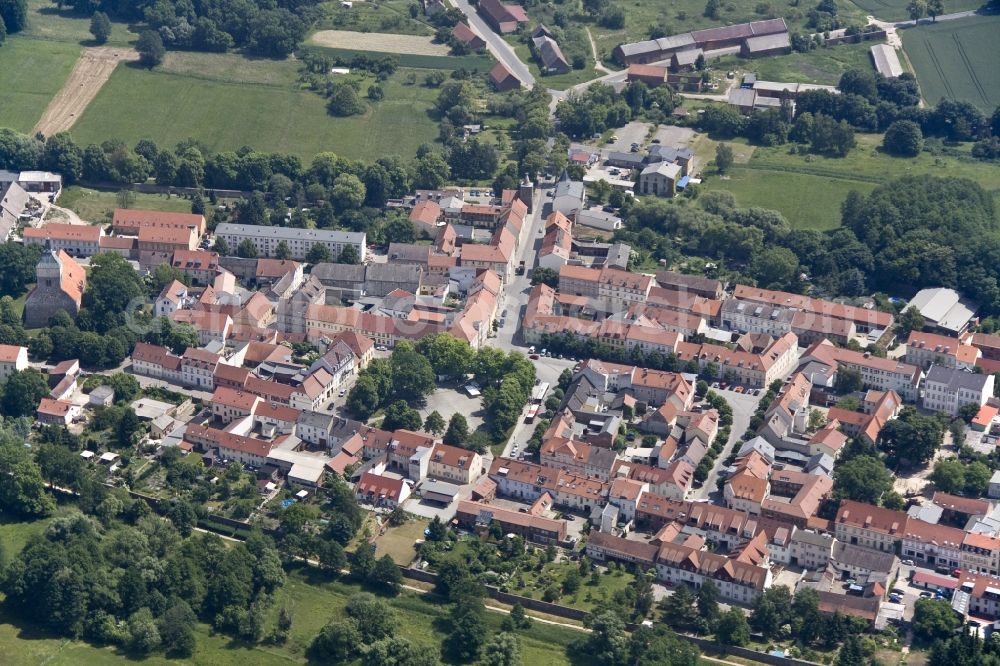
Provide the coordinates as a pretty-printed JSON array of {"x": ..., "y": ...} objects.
[
  {"x": 481, "y": 63},
  {"x": 91, "y": 71}
]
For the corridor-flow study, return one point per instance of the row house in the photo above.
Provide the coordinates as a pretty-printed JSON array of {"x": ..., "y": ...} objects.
[
  {"x": 869, "y": 526},
  {"x": 654, "y": 387},
  {"x": 537, "y": 529},
  {"x": 211, "y": 326},
  {"x": 880, "y": 374},
  {"x": 239, "y": 448},
  {"x": 528, "y": 482},
  {"x": 200, "y": 266},
  {"x": 811, "y": 550},
  {"x": 381, "y": 491},
  {"x": 747, "y": 317},
  {"x": 980, "y": 553},
  {"x": 927, "y": 349},
  {"x": 751, "y": 368},
  {"x": 736, "y": 581},
  {"x": 672, "y": 481},
  {"x": 865, "y": 320},
  {"x": 454, "y": 464},
  {"x": 76, "y": 240},
  {"x": 608, "y": 289},
  {"x": 949, "y": 389},
  {"x": 198, "y": 368},
  {"x": 930, "y": 545},
  {"x": 156, "y": 362},
  {"x": 579, "y": 458},
  {"x": 877, "y": 409},
  {"x": 230, "y": 405}
]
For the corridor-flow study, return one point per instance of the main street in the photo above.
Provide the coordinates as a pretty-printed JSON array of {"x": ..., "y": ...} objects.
[{"x": 500, "y": 49}]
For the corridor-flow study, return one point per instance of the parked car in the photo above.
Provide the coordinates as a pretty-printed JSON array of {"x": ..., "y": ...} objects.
[
  {"x": 925, "y": 595},
  {"x": 533, "y": 357},
  {"x": 908, "y": 563}
]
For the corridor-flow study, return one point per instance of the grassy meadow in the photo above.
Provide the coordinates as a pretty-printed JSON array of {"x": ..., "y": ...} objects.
[
  {"x": 808, "y": 189},
  {"x": 31, "y": 72}
]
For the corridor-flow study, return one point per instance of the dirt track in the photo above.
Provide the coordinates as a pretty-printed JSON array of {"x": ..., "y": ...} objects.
[{"x": 89, "y": 73}]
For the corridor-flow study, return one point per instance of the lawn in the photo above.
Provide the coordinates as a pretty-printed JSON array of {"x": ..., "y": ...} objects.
[
  {"x": 472, "y": 62},
  {"x": 957, "y": 59},
  {"x": 895, "y": 10},
  {"x": 822, "y": 66},
  {"x": 96, "y": 205},
  {"x": 227, "y": 108},
  {"x": 808, "y": 189},
  {"x": 555, "y": 81},
  {"x": 312, "y": 602},
  {"x": 31, "y": 72},
  {"x": 398, "y": 542}
]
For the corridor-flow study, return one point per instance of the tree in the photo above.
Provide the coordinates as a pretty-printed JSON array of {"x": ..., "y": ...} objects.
[
  {"x": 909, "y": 320},
  {"x": 468, "y": 629},
  {"x": 502, "y": 650},
  {"x": 712, "y": 9},
  {"x": 851, "y": 652},
  {"x": 917, "y": 9},
  {"x": 545, "y": 276},
  {"x": 912, "y": 436},
  {"x": 331, "y": 556},
  {"x": 708, "y": 603},
  {"x": 22, "y": 393},
  {"x": 349, "y": 255},
  {"x": 376, "y": 619},
  {"x": 282, "y": 251},
  {"x": 247, "y": 249},
  {"x": 458, "y": 430},
  {"x": 338, "y": 642},
  {"x": 345, "y": 101},
  {"x": 847, "y": 381},
  {"x": 772, "y": 610},
  {"x": 678, "y": 609},
  {"x": 903, "y": 138},
  {"x": 150, "y": 48},
  {"x": 144, "y": 637},
  {"x": 933, "y": 619},
  {"x": 14, "y": 15},
  {"x": 100, "y": 27},
  {"x": 412, "y": 374},
  {"x": 176, "y": 628},
  {"x": 733, "y": 628},
  {"x": 607, "y": 643},
  {"x": 3, "y": 31},
  {"x": 863, "y": 479},
  {"x": 723, "y": 151},
  {"x": 434, "y": 423},
  {"x": 221, "y": 246},
  {"x": 449, "y": 356},
  {"x": 22, "y": 490},
  {"x": 385, "y": 575},
  {"x": 776, "y": 267},
  {"x": 128, "y": 426},
  {"x": 363, "y": 562},
  {"x": 319, "y": 253},
  {"x": 401, "y": 415},
  {"x": 806, "y": 619}
]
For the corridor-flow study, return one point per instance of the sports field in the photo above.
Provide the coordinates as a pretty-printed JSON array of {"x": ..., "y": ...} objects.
[
  {"x": 957, "y": 59},
  {"x": 226, "y": 109},
  {"x": 31, "y": 73},
  {"x": 895, "y": 10}
]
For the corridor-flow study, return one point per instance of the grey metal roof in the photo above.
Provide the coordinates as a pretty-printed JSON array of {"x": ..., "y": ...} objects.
[
  {"x": 886, "y": 61},
  {"x": 956, "y": 379},
  {"x": 768, "y": 42}
]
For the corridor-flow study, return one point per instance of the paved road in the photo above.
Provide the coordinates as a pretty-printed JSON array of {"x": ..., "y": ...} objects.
[
  {"x": 743, "y": 408},
  {"x": 944, "y": 17},
  {"x": 500, "y": 49}
]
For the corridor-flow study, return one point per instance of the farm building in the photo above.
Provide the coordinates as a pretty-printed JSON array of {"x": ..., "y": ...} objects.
[
  {"x": 466, "y": 35},
  {"x": 886, "y": 61},
  {"x": 766, "y": 45},
  {"x": 651, "y": 75},
  {"x": 747, "y": 36},
  {"x": 660, "y": 179},
  {"x": 550, "y": 57},
  {"x": 502, "y": 17},
  {"x": 503, "y": 79}
]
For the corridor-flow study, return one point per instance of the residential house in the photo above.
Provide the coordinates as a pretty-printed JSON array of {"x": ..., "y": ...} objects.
[
  {"x": 464, "y": 34},
  {"x": 381, "y": 491},
  {"x": 13, "y": 358},
  {"x": 534, "y": 528},
  {"x": 659, "y": 179},
  {"x": 869, "y": 526},
  {"x": 504, "y": 18},
  {"x": 76, "y": 240},
  {"x": 926, "y": 349},
  {"x": 502, "y": 78}
]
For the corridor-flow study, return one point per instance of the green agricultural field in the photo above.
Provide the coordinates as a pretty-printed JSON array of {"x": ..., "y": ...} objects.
[
  {"x": 31, "y": 72},
  {"x": 226, "y": 108},
  {"x": 312, "y": 602},
  {"x": 822, "y": 66},
  {"x": 895, "y": 10},
  {"x": 808, "y": 189},
  {"x": 470, "y": 62},
  {"x": 957, "y": 59},
  {"x": 46, "y": 21}
]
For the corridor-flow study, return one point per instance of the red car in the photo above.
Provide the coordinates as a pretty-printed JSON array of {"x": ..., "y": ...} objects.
[{"x": 534, "y": 357}]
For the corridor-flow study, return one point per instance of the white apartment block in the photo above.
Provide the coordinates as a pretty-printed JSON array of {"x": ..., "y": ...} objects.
[
  {"x": 948, "y": 389},
  {"x": 299, "y": 241}
]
